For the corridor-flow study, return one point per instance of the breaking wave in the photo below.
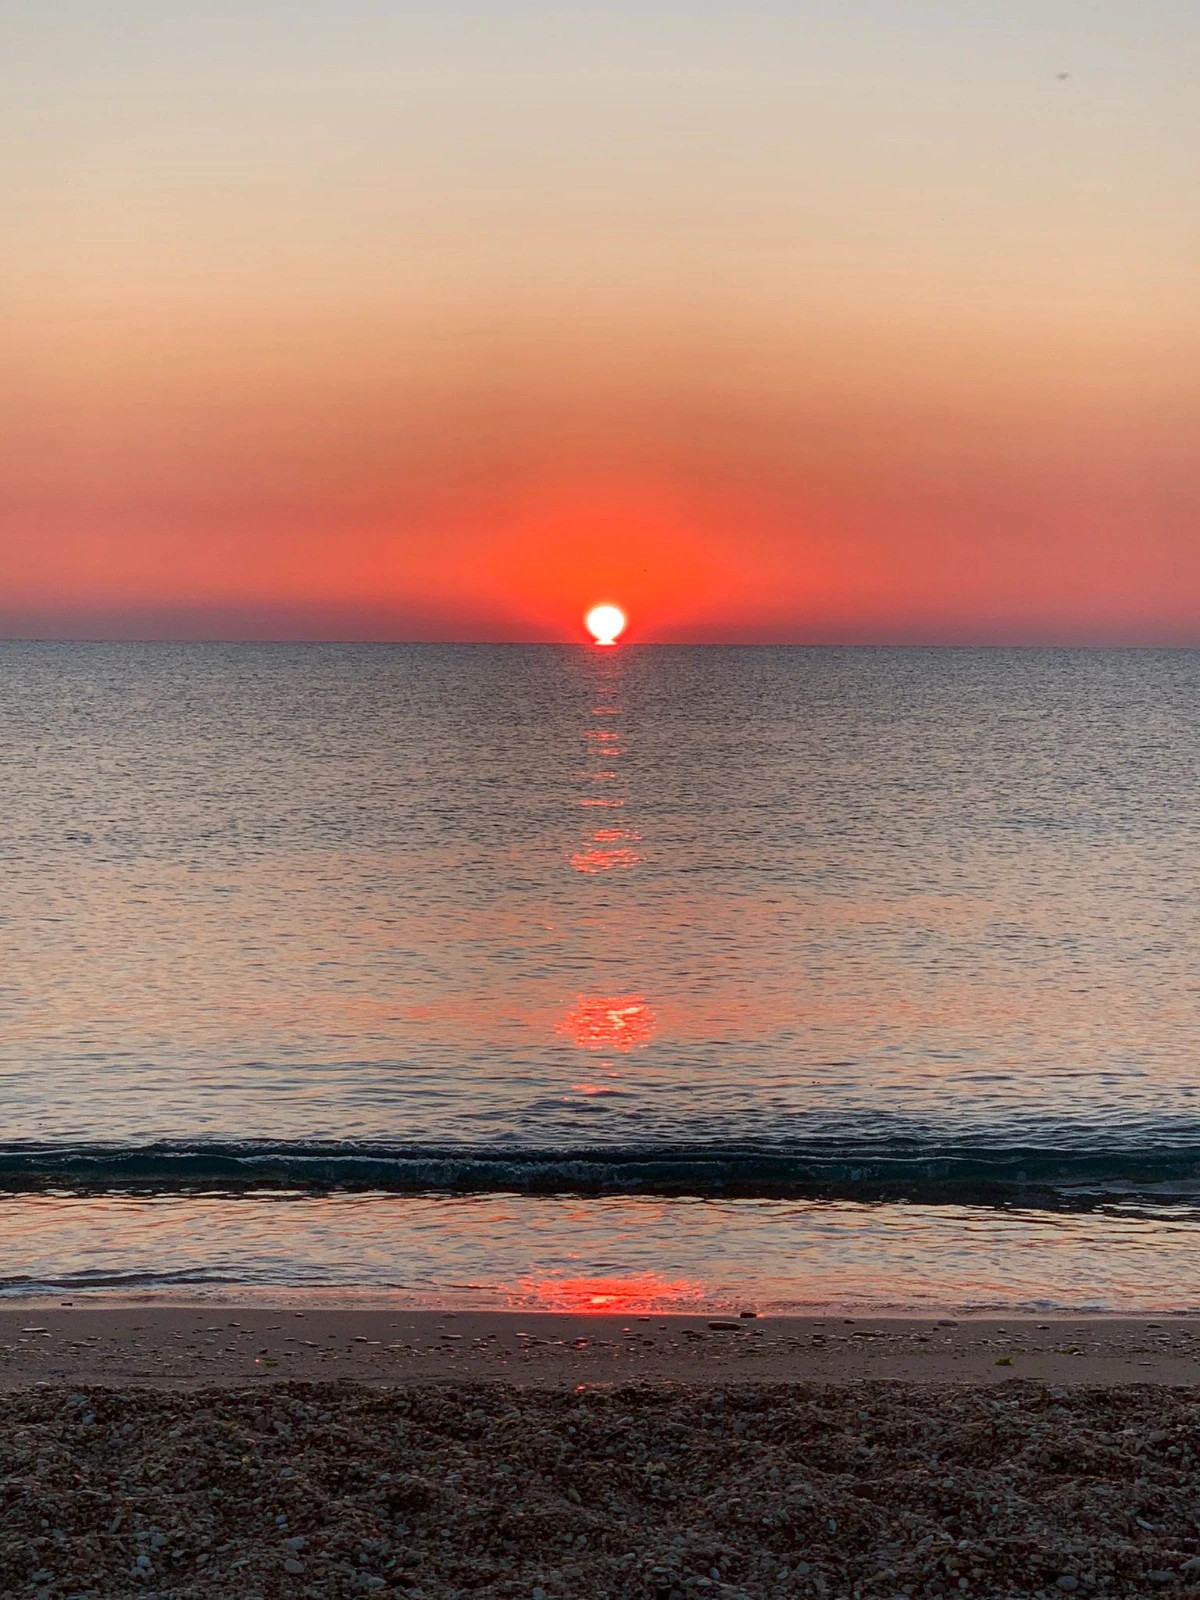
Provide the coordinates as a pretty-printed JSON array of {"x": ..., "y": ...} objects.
[{"x": 981, "y": 1174}]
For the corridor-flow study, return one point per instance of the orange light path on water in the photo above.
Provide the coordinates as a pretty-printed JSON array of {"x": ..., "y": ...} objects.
[
  {"x": 617, "y": 1022},
  {"x": 604, "y": 860},
  {"x": 644, "y": 1292}
]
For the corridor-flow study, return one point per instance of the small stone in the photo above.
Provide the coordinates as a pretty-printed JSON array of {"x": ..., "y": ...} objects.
[
  {"x": 1067, "y": 1583},
  {"x": 293, "y": 1566},
  {"x": 297, "y": 1542}
]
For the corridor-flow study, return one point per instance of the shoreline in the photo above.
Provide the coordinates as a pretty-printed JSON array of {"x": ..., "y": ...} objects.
[{"x": 190, "y": 1346}]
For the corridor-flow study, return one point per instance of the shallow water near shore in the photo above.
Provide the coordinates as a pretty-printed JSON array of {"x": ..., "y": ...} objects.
[
  {"x": 727, "y": 945},
  {"x": 586, "y": 1255}
]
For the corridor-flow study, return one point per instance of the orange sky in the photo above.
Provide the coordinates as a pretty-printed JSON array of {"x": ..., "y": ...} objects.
[{"x": 767, "y": 322}]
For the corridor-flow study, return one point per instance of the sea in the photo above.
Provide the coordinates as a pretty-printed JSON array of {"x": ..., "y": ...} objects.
[{"x": 574, "y": 977}]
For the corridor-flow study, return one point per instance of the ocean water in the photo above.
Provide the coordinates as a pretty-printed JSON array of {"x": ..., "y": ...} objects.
[{"x": 714, "y": 974}]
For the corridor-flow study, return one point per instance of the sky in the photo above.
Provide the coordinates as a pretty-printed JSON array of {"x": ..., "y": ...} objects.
[{"x": 833, "y": 320}]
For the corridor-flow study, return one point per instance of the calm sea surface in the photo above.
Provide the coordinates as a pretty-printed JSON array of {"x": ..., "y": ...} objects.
[{"x": 522, "y": 973}]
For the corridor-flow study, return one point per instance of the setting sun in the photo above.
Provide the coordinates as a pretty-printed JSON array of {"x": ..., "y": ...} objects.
[{"x": 605, "y": 623}]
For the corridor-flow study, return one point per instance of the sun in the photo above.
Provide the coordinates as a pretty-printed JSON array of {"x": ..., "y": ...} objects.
[{"x": 605, "y": 623}]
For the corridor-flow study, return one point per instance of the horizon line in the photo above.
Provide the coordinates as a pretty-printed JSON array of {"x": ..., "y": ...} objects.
[{"x": 344, "y": 641}]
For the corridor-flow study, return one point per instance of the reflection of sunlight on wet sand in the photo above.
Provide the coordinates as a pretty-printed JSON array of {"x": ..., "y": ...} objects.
[
  {"x": 620, "y": 1022},
  {"x": 604, "y": 860},
  {"x": 646, "y": 1292}
]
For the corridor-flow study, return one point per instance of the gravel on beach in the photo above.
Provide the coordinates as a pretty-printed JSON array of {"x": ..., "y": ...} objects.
[{"x": 646, "y": 1491}]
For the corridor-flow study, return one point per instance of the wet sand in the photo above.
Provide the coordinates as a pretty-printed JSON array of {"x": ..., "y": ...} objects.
[{"x": 187, "y": 1346}]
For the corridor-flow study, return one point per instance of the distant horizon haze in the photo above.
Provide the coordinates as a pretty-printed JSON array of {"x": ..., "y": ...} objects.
[{"x": 369, "y": 627}]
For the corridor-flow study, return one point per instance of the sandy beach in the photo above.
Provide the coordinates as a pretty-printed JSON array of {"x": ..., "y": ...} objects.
[
  {"x": 209, "y": 1453},
  {"x": 189, "y": 1346}
]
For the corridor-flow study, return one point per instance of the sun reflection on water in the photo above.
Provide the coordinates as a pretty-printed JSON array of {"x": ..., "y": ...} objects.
[
  {"x": 643, "y": 1292},
  {"x": 604, "y": 860},
  {"x": 618, "y": 1022}
]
